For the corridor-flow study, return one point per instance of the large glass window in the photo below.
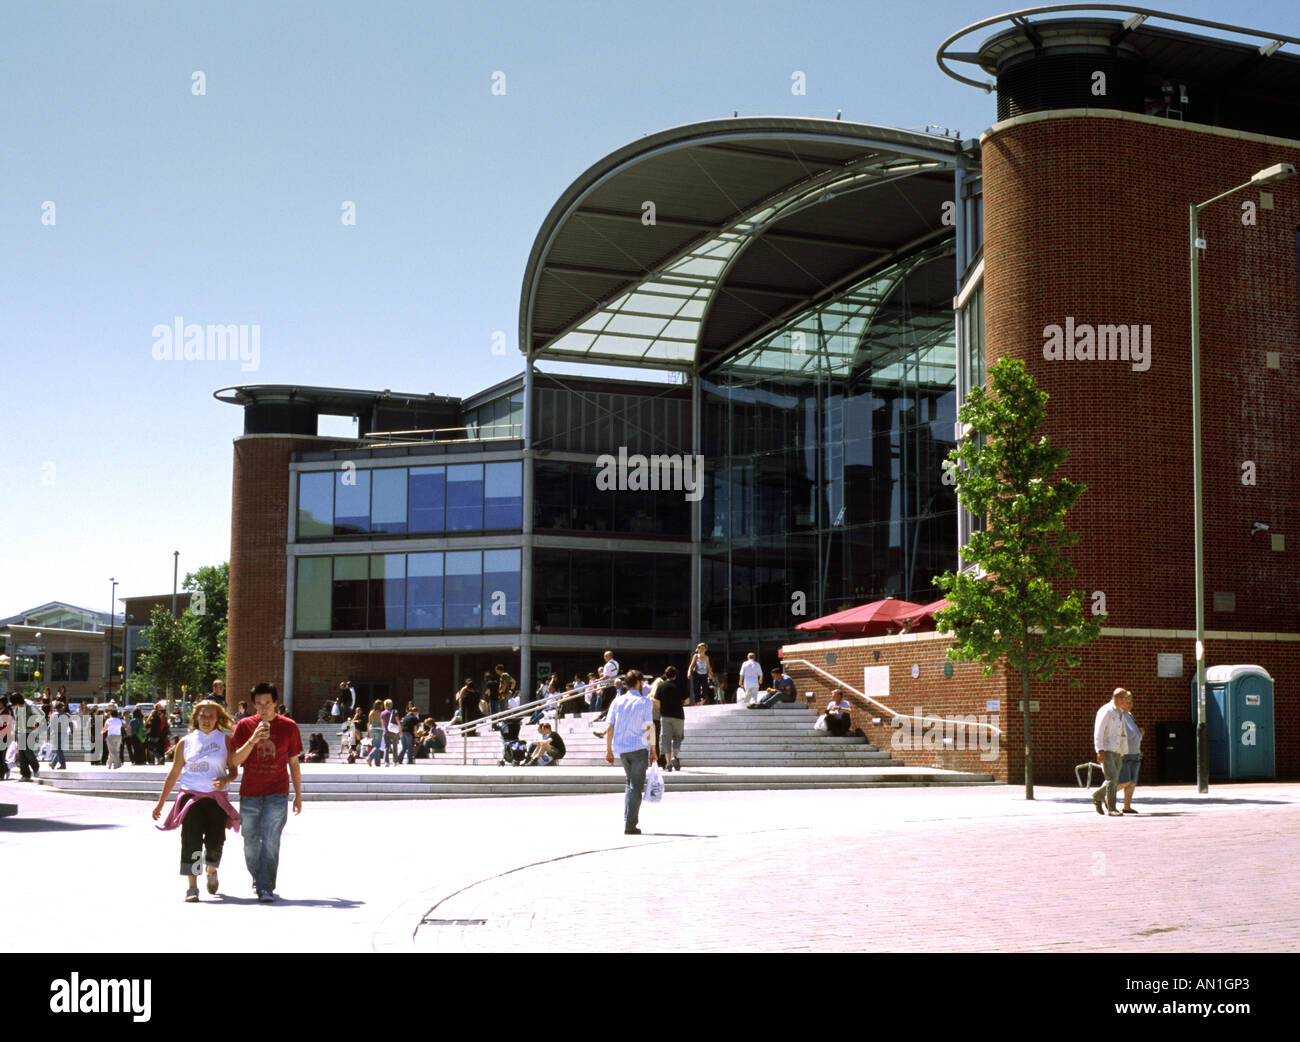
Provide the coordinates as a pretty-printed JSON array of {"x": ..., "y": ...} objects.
[
  {"x": 603, "y": 591},
  {"x": 388, "y": 500},
  {"x": 501, "y": 586},
  {"x": 825, "y": 443},
  {"x": 29, "y": 659},
  {"x": 503, "y": 495},
  {"x": 315, "y": 504},
  {"x": 424, "y": 591},
  {"x": 351, "y": 502},
  {"x": 463, "y": 590},
  {"x": 416, "y": 500},
  {"x": 313, "y": 593},
  {"x": 69, "y": 666},
  {"x": 350, "y": 587},
  {"x": 428, "y": 497},
  {"x": 465, "y": 498},
  {"x": 387, "y": 592}
]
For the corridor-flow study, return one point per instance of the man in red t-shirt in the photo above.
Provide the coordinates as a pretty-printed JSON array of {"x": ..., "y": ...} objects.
[{"x": 267, "y": 746}]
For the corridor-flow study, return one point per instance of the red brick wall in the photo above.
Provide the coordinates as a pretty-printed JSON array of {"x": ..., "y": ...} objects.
[
  {"x": 1088, "y": 217},
  {"x": 964, "y": 694},
  {"x": 259, "y": 525},
  {"x": 1063, "y": 724},
  {"x": 316, "y": 676}
]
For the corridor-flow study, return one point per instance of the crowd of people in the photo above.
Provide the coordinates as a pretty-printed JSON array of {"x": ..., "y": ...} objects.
[{"x": 52, "y": 727}]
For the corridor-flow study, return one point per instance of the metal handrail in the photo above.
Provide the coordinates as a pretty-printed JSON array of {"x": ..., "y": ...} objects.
[
  {"x": 517, "y": 712},
  {"x": 435, "y": 431},
  {"x": 898, "y": 716},
  {"x": 1020, "y": 17}
]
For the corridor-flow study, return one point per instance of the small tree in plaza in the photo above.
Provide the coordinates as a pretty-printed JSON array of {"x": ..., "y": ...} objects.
[
  {"x": 175, "y": 657},
  {"x": 1007, "y": 607}
]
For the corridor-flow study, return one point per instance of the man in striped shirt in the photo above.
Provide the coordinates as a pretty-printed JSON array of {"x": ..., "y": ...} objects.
[{"x": 631, "y": 737}]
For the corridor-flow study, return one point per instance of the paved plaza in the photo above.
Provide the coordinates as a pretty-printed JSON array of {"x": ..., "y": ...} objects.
[{"x": 918, "y": 869}]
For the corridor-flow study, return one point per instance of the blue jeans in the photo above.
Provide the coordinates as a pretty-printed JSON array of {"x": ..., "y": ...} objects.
[
  {"x": 635, "y": 764},
  {"x": 408, "y": 748},
  {"x": 57, "y": 758},
  {"x": 376, "y": 754},
  {"x": 262, "y": 821}
]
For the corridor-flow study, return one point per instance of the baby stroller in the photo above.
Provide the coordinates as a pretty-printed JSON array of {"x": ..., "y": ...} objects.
[{"x": 513, "y": 751}]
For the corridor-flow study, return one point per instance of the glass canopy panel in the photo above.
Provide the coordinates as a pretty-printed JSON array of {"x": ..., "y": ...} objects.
[{"x": 618, "y": 329}]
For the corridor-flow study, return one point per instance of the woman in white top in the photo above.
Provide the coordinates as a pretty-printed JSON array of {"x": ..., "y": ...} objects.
[
  {"x": 201, "y": 770},
  {"x": 113, "y": 737},
  {"x": 700, "y": 671}
]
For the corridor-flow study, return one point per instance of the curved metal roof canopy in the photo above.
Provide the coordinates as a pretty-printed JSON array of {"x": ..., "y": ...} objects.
[{"x": 683, "y": 246}]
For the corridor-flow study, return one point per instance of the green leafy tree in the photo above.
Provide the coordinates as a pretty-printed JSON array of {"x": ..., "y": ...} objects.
[
  {"x": 175, "y": 656},
  {"x": 210, "y": 587},
  {"x": 1007, "y": 608}
]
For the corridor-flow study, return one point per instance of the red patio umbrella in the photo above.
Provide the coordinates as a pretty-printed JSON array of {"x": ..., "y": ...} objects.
[
  {"x": 923, "y": 617},
  {"x": 866, "y": 619}
]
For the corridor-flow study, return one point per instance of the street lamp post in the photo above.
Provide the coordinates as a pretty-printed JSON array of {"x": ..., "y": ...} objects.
[
  {"x": 112, "y": 618},
  {"x": 1277, "y": 172}
]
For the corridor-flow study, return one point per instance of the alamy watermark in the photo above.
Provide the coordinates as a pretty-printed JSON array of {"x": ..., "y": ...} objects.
[
  {"x": 31, "y": 730},
  {"x": 671, "y": 472},
  {"x": 191, "y": 342},
  {"x": 1105, "y": 343},
  {"x": 71, "y": 994},
  {"x": 974, "y": 732}
]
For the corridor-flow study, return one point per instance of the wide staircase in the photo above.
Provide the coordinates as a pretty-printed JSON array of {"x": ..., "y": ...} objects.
[
  {"x": 727, "y": 747},
  {"x": 716, "y": 736}
]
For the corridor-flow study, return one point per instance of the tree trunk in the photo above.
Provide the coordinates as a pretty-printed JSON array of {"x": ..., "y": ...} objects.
[{"x": 1029, "y": 735}]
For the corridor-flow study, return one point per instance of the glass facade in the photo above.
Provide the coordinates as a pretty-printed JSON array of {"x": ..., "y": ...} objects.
[
  {"x": 600, "y": 590},
  {"x": 435, "y": 591},
  {"x": 468, "y": 497},
  {"x": 824, "y": 445},
  {"x": 500, "y": 418},
  {"x": 566, "y": 499}
]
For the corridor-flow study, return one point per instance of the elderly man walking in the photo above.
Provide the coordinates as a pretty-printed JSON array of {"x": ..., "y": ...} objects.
[
  {"x": 1111, "y": 745},
  {"x": 630, "y": 736}
]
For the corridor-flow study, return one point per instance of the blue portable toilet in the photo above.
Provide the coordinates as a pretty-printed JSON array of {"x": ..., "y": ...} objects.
[{"x": 1239, "y": 719}]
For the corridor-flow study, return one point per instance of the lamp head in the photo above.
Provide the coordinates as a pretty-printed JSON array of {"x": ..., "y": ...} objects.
[{"x": 1276, "y": 172}]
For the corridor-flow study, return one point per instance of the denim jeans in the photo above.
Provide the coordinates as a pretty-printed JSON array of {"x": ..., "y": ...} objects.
[
  {"x": 635, "y": 765},
  {"x": 376, "y": 754},
  {"x": 408, "y": 748},
  {"x": 262, "y": 821},
  {"x": 57, "y": 758},
  {"x": 1110, "y": 766}
]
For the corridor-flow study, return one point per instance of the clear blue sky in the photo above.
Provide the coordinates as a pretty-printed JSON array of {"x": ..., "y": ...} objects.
[{"x": 225, "y": 208}]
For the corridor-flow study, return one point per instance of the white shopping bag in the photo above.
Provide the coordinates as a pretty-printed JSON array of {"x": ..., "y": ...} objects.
[{"x": 654, "y": 784}]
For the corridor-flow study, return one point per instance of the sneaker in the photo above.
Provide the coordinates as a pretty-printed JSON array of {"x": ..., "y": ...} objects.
[
  {"x": 1097, "y": 807},
  {"x": 1129, "y": 810},
  {"x": 266, "y": 897},
  {"x": 631, "y": 832},
  {"x": 192, "y": 895},
  {"x": 1115, "y": 813},
  {"x": 212, "y": 883},
  {"x": 676, "y": 766}
]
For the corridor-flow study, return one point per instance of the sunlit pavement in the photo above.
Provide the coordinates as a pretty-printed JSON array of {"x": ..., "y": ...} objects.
[{"x": 972, "y": 869}]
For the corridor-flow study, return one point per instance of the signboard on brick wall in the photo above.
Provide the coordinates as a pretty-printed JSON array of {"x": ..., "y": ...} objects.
[
  {"x": 875, "y": 681},
  {"x": 1169, "y": 665}
]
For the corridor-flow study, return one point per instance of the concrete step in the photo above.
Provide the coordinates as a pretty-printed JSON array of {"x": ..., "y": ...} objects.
[{"x": 331, "y": 783}]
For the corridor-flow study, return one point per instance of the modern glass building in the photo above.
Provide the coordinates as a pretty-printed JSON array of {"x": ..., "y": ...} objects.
[{"x": 791, "y": 283}]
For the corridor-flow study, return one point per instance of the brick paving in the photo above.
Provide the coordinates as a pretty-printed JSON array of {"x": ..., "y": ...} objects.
[{"x": 974, "y": 869}]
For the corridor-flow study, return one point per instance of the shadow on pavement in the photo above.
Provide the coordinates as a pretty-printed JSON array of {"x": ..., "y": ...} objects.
[
  {"x": 339, "y": 903},
  {"x": 682, "y": 835},
  {"x": 1183, "y": 801},
  {"x": 47, "y": 825}
]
